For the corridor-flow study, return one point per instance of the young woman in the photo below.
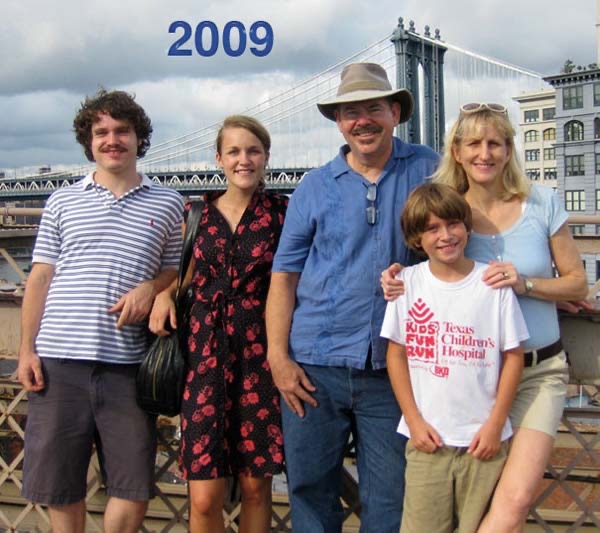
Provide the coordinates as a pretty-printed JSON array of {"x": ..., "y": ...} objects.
[
  {"x": 230, "y": 420},
  {"x": 522, "y": 232}
]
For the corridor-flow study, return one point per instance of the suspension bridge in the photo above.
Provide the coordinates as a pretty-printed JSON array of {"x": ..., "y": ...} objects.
[{"x": 441, "y": 76}]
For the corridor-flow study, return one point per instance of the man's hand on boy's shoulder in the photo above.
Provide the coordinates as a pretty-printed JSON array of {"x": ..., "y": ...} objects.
[
  {"x": 424, "y": 437},
  {"x": 392, "y": 287},
  {"x": 486, "y": 442}
]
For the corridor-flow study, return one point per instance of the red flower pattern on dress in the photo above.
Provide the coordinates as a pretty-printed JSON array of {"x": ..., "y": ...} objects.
[
  {"x": 275, "y": 433},
  {"x": 247, "y": 428},
  {"x": 250, "y": 380},
  {"x": 204, "y": 395},
  {"x": 259, "y": 250},
  {"x": 253, "y": 332},
  {"x": 200, "y": 445},
  {"x": 251, "y": 286},
  {"x": 249, "y": 399},
  {"x": 246, "y": 446},
  {"x": 208, "y": 410},
  {"x": 276, "y": 454},
  {"x": 230, "y": 404}
]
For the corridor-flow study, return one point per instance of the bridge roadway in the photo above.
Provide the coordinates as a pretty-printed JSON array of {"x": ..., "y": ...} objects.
[{"x": 188, "y": 182}]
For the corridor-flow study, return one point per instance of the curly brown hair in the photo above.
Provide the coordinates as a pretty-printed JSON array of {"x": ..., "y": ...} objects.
[{"x": 120, "y": 106}]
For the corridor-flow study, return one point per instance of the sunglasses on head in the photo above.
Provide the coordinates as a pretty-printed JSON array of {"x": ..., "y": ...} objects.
[{"x": 474, "y": 107}]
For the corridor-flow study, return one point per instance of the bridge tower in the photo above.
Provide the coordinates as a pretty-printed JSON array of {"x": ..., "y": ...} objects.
[{"x": 414, "y": 50}]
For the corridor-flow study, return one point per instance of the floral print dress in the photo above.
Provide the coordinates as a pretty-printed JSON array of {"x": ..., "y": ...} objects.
[{"x": 230, "y": 420}]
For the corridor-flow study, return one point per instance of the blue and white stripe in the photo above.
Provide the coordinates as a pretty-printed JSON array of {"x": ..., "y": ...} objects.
[{"x": 101, "y": 248}]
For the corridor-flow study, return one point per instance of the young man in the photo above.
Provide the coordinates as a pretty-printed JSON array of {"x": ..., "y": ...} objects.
[
  {"x": 325, "y": 309},
  {"x": 106, "y": 246},
  {"x": 454, "y": 360}
]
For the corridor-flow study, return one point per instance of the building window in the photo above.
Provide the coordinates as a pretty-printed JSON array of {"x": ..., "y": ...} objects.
[
  {"x": 532, "y": 155},
  {"x": 574, "y": 165},
  {"x": 550, "y": 173},
  {"x": 597, "y": 233},
  {"x": 573, "y": 97},
  {"x": 575, "y": 200},
  {"x": 532, "y": 115},
  {"x": 548, "y": 113},
  {"x": 533, "y": 173},
  {"x": 549, "y": 154},
  {"x": 597, "y": 128},
  {"x": 574, "y": 131},
  {"x": 597, "y": 199},
  {"x": 597, "y": 273},
  {"x": 531, "y": 136},
  {"x": 550, "y": 134},
  {"x": 597, "y": 163},
  {"x": 577, "y": 229},
  {"x": 596, "y": 93}
]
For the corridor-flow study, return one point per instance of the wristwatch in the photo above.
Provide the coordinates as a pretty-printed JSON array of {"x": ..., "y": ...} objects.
[{"x": 528, "y": 285}]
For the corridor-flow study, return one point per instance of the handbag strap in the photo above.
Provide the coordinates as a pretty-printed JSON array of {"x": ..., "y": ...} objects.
[{"x": 191, "y": 232}]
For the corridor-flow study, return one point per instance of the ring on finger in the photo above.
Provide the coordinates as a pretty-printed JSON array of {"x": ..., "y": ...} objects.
[{"x": 505, "y": 275}]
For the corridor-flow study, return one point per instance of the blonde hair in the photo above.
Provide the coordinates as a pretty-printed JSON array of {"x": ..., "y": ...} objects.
[
  {"x": 432, "y": 199},
  {"x": 253, "y": 126},
  {"x": 472, "y": 125}
]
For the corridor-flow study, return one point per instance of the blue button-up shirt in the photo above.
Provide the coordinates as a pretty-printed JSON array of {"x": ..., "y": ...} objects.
[{"x": 339, "y": 303}]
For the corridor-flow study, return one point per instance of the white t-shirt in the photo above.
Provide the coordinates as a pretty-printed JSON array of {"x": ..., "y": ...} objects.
[{"x": 454, "y": 334}]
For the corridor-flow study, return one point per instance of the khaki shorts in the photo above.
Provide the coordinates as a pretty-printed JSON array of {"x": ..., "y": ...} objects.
[
  {"x": 541, "y": 396},
  {"x": 447, "y": 484}
]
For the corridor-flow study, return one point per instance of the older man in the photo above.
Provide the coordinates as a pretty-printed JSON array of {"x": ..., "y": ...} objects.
[{"x": 325, "y": 308}]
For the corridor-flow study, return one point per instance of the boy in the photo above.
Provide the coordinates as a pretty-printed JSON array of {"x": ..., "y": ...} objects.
[{"x": 455, "y": 361}]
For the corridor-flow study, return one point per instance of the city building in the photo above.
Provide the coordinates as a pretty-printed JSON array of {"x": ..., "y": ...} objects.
[
  {"x": 538, "y": 135},
  {"x": 577, "y": 150}
]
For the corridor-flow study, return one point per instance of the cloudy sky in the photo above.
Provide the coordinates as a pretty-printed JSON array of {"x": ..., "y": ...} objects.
[{"x": 54, "y": 53}]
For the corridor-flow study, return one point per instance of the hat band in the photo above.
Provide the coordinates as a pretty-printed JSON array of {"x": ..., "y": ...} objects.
[{"x": 362, "y": 86}]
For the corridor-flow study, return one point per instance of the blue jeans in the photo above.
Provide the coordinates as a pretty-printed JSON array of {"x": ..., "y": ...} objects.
[{"x": 349, "y": 400}]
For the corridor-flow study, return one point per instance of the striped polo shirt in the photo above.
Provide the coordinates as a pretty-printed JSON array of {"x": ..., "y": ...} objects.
[{"x": 101, "y": 248}]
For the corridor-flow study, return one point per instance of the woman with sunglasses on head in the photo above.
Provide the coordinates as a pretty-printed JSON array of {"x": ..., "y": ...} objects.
[
  {"x": 230, "y": 419},
  {"x": 521, "y": 231}
]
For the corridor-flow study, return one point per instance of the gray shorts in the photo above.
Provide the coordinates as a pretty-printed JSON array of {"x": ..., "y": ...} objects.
[{"x": 86, "y": 403}]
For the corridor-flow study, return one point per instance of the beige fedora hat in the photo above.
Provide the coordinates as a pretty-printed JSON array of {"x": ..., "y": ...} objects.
[{"x": 365, "y": 81}]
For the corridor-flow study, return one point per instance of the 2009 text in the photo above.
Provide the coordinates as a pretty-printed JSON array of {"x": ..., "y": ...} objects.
[{"x": 234, "y": 38}]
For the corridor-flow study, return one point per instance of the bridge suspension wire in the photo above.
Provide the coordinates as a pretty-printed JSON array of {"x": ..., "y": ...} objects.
[
  {"x": 279, "y": 113},
  {"x": 475, "y": 55},
  {"x": 302, "y": 138},
  {"x": 333, "y": 69}
]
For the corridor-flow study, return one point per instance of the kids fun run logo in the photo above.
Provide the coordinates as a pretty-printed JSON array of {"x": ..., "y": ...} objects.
[{"x": 440, "y": 345}]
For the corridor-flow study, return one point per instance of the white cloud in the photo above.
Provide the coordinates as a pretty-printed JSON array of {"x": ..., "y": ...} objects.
[{"x": 53, "y": 53}]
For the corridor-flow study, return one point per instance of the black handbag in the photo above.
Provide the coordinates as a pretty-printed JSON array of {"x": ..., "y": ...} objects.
[{"x": 160, "y": 377}]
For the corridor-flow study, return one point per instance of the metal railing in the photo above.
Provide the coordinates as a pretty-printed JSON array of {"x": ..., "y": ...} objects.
[{"x": 570, "y": 494}]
